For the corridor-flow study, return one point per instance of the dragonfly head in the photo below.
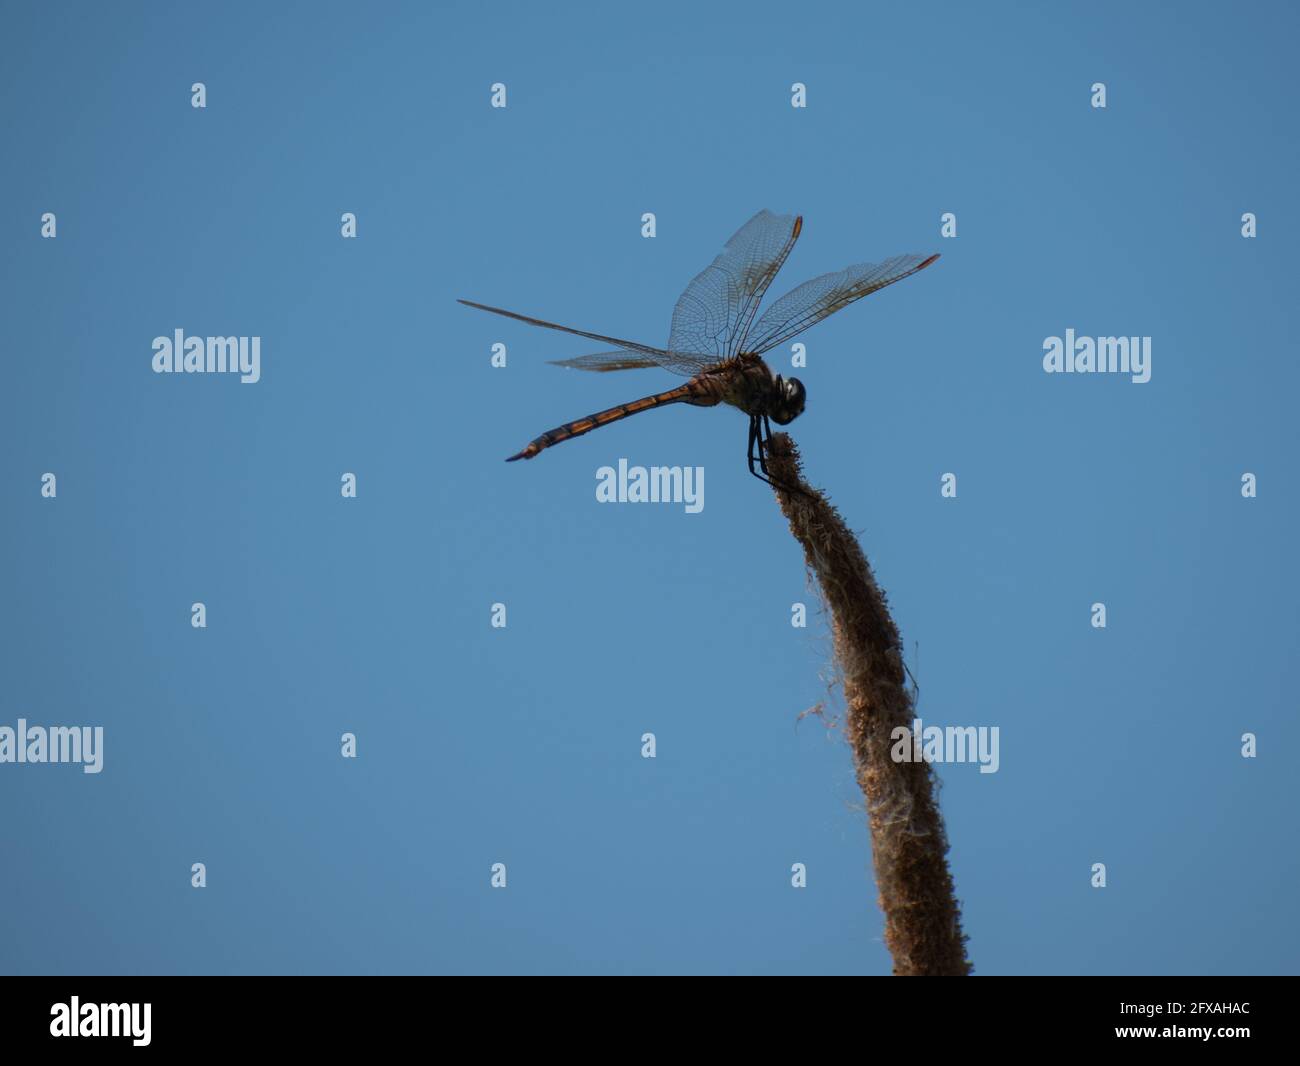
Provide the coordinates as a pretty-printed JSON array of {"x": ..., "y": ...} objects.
[{"x": 790, "y": 396}]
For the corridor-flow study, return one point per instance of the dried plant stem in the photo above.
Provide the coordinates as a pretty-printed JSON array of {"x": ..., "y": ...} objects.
[{"x": 908, "y": 843}]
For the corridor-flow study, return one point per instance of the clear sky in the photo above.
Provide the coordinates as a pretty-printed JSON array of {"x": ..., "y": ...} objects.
[{"x": 479, "y": 745}]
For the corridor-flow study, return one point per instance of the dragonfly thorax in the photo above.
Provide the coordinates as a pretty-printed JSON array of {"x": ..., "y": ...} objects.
[{"x": 747, "y": 382}]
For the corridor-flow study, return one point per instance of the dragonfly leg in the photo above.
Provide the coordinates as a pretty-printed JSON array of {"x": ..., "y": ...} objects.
[
  {"x": 764, "y": 439},
  {"x": 760, "y": 434},
  {"x": 756, "y": 455}
]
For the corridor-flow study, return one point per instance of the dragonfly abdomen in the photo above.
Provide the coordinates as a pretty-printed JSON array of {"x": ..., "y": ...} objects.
[{"x": 693, "y": 391}]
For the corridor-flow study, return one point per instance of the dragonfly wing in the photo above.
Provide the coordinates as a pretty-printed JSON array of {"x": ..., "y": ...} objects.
[
  {"x": 820, "y": 298},
  {"x": 714, "y": 314},
  {"x": 658, "y": 354},
  {"x": 603, "y": 362}
]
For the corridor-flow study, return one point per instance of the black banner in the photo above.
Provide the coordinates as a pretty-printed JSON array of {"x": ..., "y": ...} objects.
[{"x": 338, "y": 1015}]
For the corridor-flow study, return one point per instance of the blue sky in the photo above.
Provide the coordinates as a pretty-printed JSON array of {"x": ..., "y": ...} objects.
[{"x": 522, "y": 745}]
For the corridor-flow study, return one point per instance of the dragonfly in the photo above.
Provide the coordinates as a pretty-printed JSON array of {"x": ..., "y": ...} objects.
[{"x": 718, "y": 339}]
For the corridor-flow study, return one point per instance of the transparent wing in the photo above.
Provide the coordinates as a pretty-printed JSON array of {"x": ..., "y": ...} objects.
[
  {"x": 603, "y": 362},
  {"x": 715, "y": 312},
  {"x": 814, "y": 300},
  {"x": 712, "y": 316},
  {"x": 632, "y": 346}
]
